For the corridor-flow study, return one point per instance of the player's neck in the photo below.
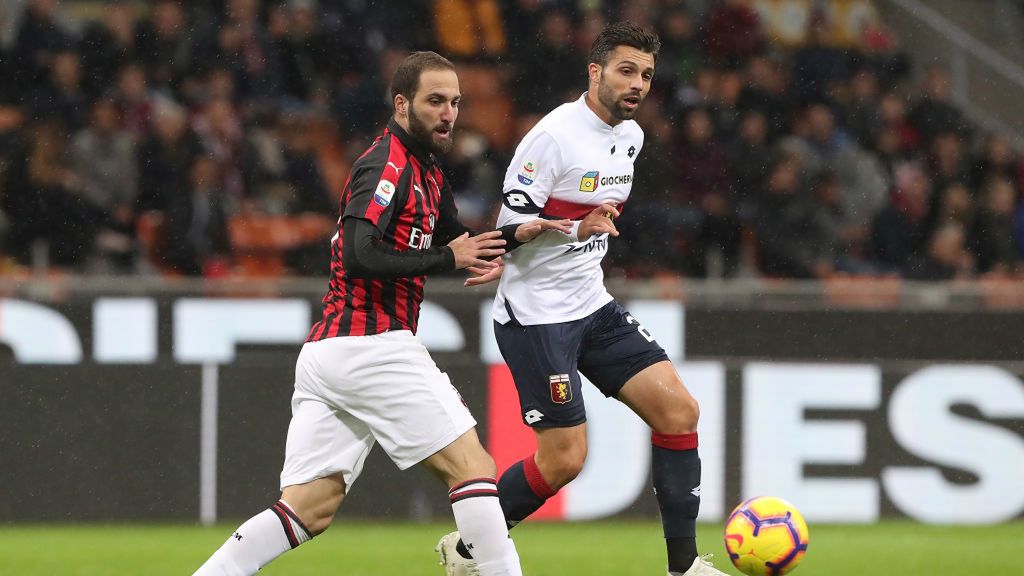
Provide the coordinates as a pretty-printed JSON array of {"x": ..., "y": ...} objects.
[{"x": 597, "y": 108}]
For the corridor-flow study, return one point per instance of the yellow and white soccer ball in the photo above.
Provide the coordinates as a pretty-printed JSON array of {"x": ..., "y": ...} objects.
[{"x": 766, "y": 536}]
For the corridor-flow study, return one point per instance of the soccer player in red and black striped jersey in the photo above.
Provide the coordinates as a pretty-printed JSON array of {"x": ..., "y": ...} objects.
[{"x": 363, "y": 377}]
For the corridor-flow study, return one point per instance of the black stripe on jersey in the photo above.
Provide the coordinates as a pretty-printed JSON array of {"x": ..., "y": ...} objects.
[
  {"x": 388, "y": 288},
  {"x": 520, "y": 202}
]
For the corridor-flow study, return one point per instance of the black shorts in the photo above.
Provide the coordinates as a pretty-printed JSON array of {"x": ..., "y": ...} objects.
[{"x": 609, "y": 347}]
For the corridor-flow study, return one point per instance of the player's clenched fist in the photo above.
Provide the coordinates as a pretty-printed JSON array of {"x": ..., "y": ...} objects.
[
  {"x": 599, "y": 221},
  {"x": 472, "y": 250}
]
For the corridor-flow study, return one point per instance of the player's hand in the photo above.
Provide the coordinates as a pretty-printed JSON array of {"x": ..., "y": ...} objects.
[
  {"x": 471, "y": 250},
  {"x": 530, "y": 230},
  {"x": 484, "y": 275},
  {"x": 599, "y": 221}
]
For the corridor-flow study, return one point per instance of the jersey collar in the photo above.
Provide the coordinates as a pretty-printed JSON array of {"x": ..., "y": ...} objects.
[
  {"x": 594, "y": 121},
  {"x": 410, "y": 143}
]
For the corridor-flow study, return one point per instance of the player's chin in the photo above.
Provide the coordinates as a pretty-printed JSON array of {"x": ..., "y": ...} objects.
[{"x": 443, "y": 143}]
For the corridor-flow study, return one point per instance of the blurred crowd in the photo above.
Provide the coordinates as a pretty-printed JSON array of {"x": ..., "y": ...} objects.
[{"x": 784, "y": 138}]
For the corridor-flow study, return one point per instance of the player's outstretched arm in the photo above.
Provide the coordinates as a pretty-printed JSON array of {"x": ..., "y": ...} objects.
[
  {"x": 599, "y": 221},
  {"x": 477, "y": 250}
]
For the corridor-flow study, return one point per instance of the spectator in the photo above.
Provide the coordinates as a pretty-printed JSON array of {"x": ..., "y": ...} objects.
[
  {"x": 62, "y": 98},
  {"x": 107, "y": 47},
  {"x": 165, "y": 48},
  {"x": 838, "y": 234},
  {"x": 704, "y": 192},
  {"x": 993, "y": 238},
  {"x": 45, "y": 204},
  {"x": 544, "y": 87},
  {"x": 733, "y": 33},
  {"x": 220, "y": 132},
  {"x": 956, "y": 205},
  {"x": 301, "y": 48},
  {"x": 766, "y": 92},
  {"x": 946, "y": 257},
  {"x": 791, "y": 242},
  {"x": 197, "y": 238},
  {"x": 998, "y": 160},
  {"x": 103, "y": 157},
  {"x": 134, "y": 100},
  {"x": 946, "y": 161},
  {"x": 243, "y": 46},
  {"x": 749, "y": 157},
  {"x": 818, "y": 67},
  {"x": 165, "y": 157},
  {"x": 680, "y": 55},
  {"x": 935, "y": 112},
  {"x": 900, "y": 231},
  {"x": 41, "y": 36},
  {"x": 860, "y": 111}
]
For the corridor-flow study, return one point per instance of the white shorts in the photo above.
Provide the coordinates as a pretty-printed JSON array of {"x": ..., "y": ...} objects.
[{"x": 354, "y": 390}]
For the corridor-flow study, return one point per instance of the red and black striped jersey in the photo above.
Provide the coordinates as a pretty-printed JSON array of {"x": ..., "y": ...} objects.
[{"x": 397, "y": 187}]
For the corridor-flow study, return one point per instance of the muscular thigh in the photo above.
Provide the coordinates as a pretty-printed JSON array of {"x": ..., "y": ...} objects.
[
  {"x": 543, "y": 362},
  {"x": 616, "y": 348}
]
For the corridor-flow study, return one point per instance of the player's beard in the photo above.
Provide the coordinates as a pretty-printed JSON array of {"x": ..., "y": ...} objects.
[
  {"x": 614, "y": 102},
  {"x": 424, "y": 134}
]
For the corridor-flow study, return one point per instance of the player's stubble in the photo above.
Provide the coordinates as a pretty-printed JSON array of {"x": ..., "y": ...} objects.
[
  {"x": 613, "y": 102},
  {"x": 425, "y": 134}
]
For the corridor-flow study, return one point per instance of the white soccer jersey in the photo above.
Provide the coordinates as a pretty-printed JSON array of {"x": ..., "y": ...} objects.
[{"x": 568, "y": 164}]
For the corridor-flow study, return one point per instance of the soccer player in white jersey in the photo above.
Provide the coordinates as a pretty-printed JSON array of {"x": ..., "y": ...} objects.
[{"x": 554, "y": 319}]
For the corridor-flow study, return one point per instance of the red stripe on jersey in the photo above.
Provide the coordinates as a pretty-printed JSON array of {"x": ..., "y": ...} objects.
[
  {"x": 356, "y": 307},
  {"x": 571, "y": 210},
  {"x": 392, "y": 171}
]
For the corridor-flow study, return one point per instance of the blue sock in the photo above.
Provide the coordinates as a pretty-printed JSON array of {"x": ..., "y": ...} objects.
[{"x": 675, "y": 467}]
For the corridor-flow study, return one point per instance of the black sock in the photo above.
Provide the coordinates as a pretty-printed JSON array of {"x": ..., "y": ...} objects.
[{"x": 675, "y": 467}]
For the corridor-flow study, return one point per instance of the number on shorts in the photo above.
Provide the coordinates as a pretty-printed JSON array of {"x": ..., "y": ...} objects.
[{"x": 640, "y": 328}]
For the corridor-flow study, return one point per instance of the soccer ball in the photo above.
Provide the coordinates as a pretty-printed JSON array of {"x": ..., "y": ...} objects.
[{"x": 766, "y": 536}]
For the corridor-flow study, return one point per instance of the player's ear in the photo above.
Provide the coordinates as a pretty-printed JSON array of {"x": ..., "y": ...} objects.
[
  {"x": 401, "y": 106},
  {"x": 594, "y": 71}
]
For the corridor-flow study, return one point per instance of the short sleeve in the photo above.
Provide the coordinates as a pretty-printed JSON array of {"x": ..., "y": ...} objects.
[
  {"x": 373, "y": 192},
  {"x": 532, "y": 174}
]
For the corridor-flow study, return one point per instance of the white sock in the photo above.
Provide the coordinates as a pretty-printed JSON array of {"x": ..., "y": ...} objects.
[
  {"x": 481, "y": 524},
  {"x": 259, "y": 540}
]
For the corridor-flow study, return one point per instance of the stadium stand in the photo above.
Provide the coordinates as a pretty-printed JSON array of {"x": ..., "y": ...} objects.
[{"x": 785, "y": 138}]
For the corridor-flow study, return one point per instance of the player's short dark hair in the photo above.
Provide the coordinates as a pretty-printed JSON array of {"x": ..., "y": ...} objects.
[
  {"x": 623, "y": 34},
  {"x": 407, "y": 77}
]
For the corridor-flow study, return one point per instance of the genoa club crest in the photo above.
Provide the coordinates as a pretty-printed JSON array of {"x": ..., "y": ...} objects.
[{"x": 561, "y": 388}]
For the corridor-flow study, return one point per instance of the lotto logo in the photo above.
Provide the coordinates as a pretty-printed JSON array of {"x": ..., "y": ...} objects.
[
  {"x": 561, "y": 389},
  {"x": 589, "y": 181},
  {"x": 533, "y": 416}
]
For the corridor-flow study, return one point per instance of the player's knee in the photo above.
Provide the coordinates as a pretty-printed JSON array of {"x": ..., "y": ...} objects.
[
  {"x": 319, "y": 524},
  {"x": 680, "y": 417},
  {"x": 566, "y": 465},
  {"x": 475, "y": 462}
]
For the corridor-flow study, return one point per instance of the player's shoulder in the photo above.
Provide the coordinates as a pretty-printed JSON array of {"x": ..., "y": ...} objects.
[{"x": 386, "y": 156}]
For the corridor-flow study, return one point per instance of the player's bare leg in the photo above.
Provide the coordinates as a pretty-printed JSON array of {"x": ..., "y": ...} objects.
[
  {"x": 303, "y": 511},
  {"x": 468, "y": 471},
  {"x": 659, "y": 397}
]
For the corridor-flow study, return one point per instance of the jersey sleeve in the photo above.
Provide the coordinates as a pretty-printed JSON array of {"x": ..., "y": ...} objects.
[
  {"x": 530, "y": 178},
  {"x": 373, "y": 189}
]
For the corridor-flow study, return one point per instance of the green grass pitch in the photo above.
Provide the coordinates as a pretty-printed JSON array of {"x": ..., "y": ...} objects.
[{"x": 602, "y": 548}]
